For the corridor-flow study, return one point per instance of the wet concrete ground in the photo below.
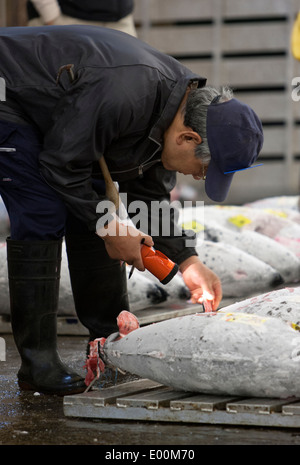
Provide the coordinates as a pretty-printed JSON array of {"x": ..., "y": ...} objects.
[{"x": 30, "y": 419}]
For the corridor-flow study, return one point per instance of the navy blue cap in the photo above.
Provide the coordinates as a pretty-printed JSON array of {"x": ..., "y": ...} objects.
[{"x": 235, "y": 138}]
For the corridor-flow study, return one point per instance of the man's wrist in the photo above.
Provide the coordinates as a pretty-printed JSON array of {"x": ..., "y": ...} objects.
[{"x": 188, "y": 262}]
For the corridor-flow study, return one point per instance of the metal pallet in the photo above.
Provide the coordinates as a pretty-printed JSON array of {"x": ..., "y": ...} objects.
[{"x": 146, "y": 400}]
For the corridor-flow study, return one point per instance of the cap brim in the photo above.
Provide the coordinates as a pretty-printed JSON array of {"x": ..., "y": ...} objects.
[{"x": 217, "y": 184}]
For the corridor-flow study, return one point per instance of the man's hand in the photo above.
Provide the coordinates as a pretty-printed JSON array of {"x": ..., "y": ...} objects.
[
  {"x": 123, "y": 242},
  {"x": 203, "y": 283}
]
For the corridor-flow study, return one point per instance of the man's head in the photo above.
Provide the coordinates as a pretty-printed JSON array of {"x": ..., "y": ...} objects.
[{"x": 212, "y": 135}]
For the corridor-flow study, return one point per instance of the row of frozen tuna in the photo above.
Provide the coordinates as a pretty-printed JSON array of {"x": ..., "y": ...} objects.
[
  {"x": 250, "y": 348},
  {"x": 252, "y": 249},
  {"x": 248, "y": 244},
  {"x": 144, "y": 290}
]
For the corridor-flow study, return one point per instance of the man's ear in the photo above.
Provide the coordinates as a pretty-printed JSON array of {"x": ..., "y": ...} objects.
[{"x": 188, "y": 136}]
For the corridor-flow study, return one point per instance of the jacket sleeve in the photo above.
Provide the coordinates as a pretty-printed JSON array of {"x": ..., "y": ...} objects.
[{"x": 149, "y": 206}]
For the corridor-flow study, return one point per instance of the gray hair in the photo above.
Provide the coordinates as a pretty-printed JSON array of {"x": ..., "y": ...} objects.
[{"x": 195, "y": 112}]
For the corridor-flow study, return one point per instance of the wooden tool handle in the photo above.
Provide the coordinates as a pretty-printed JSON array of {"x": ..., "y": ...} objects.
[{"x": 111, "y": 190}]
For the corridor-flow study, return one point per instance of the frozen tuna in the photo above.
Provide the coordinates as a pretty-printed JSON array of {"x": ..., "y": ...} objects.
[
  {"x": 4, "y": 220},
  {"x": 66, "y": 303},
  {"x": 4, "y": 293},
  {"x": 240, "y": 273},
  {"x": 283, "y": 230},
  {"x": 262, "y": 247},
  {"x": 282, "y": 303},
  {"x": 212, "y": 353},
  {"x": 284, "y": 202},
  {"x": 142, "y": 291},
  {"x": 292, "y": 215},
  {"x": 176, "y": 289}
]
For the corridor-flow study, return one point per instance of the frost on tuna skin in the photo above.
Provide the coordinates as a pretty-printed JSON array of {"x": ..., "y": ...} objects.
[
  {"x": 156, "y": 354},
  {"x": 116, "y": 353},
  {"x": 263, "y": 222},
  {"x": 290, "y": 242},
  {"x": 264, "y": 248},
  {"x": 240, "y": 273},
  {"x": 282, "y": 303},
  {"x": 220, "y": 353}
]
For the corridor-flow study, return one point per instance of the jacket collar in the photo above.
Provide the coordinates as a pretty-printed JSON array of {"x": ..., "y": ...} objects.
[{"x": 157, "y": 132}]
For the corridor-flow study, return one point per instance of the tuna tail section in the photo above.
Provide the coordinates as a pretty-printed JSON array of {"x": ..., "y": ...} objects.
[{"x": 95, "y": 363}]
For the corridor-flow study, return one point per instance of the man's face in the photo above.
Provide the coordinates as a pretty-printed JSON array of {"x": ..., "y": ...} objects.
[{"x": 179, "y": 155}]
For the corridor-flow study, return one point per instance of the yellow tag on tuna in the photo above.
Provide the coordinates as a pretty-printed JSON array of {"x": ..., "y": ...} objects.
[
  {"x": 239, "y": 220},
  {"x": 279, "y": 213},
  {"x": 295, "y": 326},
  {"x": 295, "y": 38},
  {"x": 194, "y": 225},
  {"x": 244, "y": 318}
]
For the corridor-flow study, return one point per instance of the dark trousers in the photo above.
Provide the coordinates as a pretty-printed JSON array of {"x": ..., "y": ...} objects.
[
  {"x": 37, "y": 213},
  {"x": 34, "y": 209}
]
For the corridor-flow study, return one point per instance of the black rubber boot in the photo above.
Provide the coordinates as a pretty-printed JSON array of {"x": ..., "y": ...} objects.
[
  {"x": 34, "y": 276},
  {"x": 99, "y": 284}
]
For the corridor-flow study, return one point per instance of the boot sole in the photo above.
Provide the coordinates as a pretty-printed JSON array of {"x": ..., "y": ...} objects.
[{"x": 25, "y": 386}]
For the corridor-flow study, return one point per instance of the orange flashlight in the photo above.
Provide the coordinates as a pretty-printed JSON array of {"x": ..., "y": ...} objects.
[{"x": 158, "y": 264}]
